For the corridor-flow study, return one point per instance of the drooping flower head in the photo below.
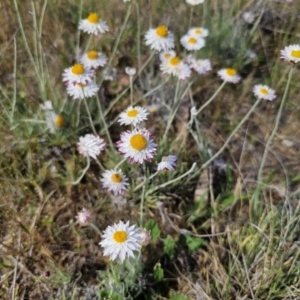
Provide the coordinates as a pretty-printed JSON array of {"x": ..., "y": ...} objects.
[
  {"x": 121, "y": 240},
  {"x": 133, "y": 115},
  {"x": 229, "y": 75},
  {"x": 77, "y": 74},
  {"x": 137, "y": 145},
  {"x": 93, "y": 25},
  {"x": 264, "y": 92},
  {"x": 115, "y": 181},
  {"x": 93, "y": 59},
  {"x": 190, "y": 42},
  {"x": 167, "y": 163},
  {"x": 160, "y": 38},
  {"x": 130, "y": 71},
  {"x": 90, "y": 145},
  {"x": 200, "y": 66},
  {"x": 83, "y": 217},
  {"x": 82, "y": 90},
  {"x": 291, "y": 53}
]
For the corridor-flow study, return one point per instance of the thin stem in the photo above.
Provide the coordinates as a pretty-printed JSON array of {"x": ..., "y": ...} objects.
[
  {"x": 172, "y": 181},
  {"x": 78, "y": 113},
  {"x": 171, "y": 118},
  {"x": 144, "y": 182},
  {"x": 271, "y": 137},
  {"x": 131, "y": 90},
  {"x": 78, "y": 32},
  {"x": 143, "y": 197},
  {"x": 231, "y": 136},
  {"x": 15, "y": 82},
  {"x": 83, "y": 172},
  {"x": 211, "y": 98},
  {"x": 89, "y": 115},
  {"x": 119, "y": 164}
]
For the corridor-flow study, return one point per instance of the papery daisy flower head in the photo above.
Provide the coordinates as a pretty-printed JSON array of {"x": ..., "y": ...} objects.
[
  {"x": 160, "y": 38},
  {"x": 137, "y": 145},
  {"x": 145, "y": 236},
  {"x": 77, "y": 74},
  {"x": 194, "y": 2},
  {"x": 90, "y": 145},
  {"x": 190, "y": 42},
  {"x": 198, "y": 32},
  {"x": 166, "y": 55},
  {"x": 115, "y": 181},
  {"x": 84, "y": 217},
  {"x": 175, "y": 67},
  {"x": 53, "y": 120},
  {"x": 93, "y": 25},
  {"x": 82, "y": 90},
  {"x": 93, "y": 59},
  {"x": 130, "y": 71},
  {"x": 229, "y": 75},
  {"x": 121, "y": 240},
  {"x": 133, "y": 115},
  {"x": 200, "y": 66},
  {"x": 291, "y": 53},
  {"x": 167, "y": 163},
  {"x": 264, "y": 92}
]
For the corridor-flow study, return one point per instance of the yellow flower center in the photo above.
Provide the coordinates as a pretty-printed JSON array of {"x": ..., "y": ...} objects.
[
  {"x": 120, "y": 236},
  {"x": 264, "y": 91},
  {"x": 59, "y": 121},
  {"x": 167, "y": 55},
  {"x": 78, "y": 69},
  {"x": 138, "y": 142},
  {"x": 231, "y": 72},
  {"x": 132, "y": 113},
  {"x": 162, "y": 31},
  {"x": 192, "y": 40},
  {"x": 116, "y": 177},
  {"x": 295, "y": 53},
  {"x": 174, "y": 61},
  {"x": 93, "y": 18},
  {"x": 92, "y": 54},
  {"x": 198, "y": 31}
]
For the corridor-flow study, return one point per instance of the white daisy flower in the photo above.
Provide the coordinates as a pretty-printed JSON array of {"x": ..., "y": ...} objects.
[
  {"x": 183, "y": 72},
  {"x": 194, "y": 2},
  {"x": 137, "y": 145},
  {"x": 133, "y": 115},
  {"x": 81, "y": 91},
  {"x": 93, "y": 25},
  {"x": 130, "y": 71},
  {"x": 291, "y": 53},
  {"x": 198, "y": 32},
  {"x": 166, "y": 55},
  {"x": 121, "y": 240},
  {"x": 264, "y": 92},
  {"x": 160, "y": 38},
  {"x": 93, "y": 59},
  {"x": 229, "y": 75},
  {"x": 83, "y": 217},
  {"x": 115, "y": 181},
  {"x": 192, "y": 42},
  {"x": 53, "y": 121},
  {"x": 176, "y": 67},
  {"x": 167, "y": 163},
  {"x": 77, "y": 74},
  {"x": 90, "y": 145},
  {"x": 201, "y": 66}
]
